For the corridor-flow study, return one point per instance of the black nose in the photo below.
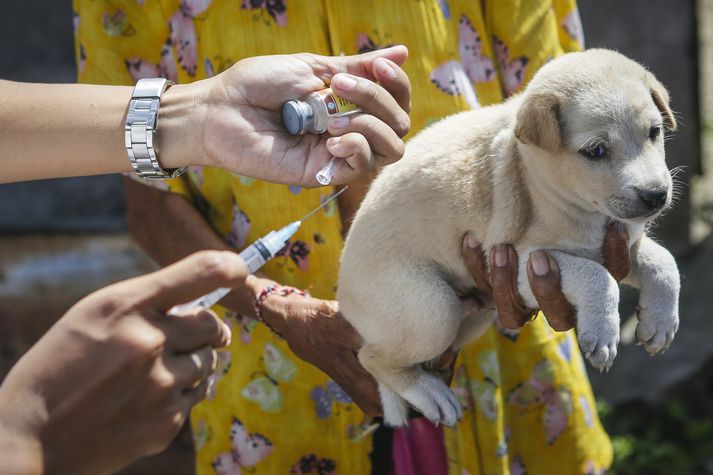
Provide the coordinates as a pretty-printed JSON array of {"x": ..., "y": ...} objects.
[{"x": 654, "y": 198}]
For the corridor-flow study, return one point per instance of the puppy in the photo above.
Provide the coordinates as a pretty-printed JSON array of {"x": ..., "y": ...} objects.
[{"x": 545, "y": 170}]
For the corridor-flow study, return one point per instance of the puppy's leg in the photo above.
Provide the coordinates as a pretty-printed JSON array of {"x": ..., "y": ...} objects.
[
  {"x": 654, "y": 271},
  {"x": 474, "y": 324},
  {"x": 425, "y": 391},
  {"x": 401, "y": 330},
  {"x": 595, "y": 294}
]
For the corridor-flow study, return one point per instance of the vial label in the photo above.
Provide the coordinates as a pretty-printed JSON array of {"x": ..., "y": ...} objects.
[{"x": 336, "y": 105}]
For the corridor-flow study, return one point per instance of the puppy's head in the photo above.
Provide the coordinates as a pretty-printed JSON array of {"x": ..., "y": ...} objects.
[{"x": 592, "y": 125}]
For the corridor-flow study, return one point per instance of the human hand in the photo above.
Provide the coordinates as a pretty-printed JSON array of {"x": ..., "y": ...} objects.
[
  {"x": 114, "y": 379},
  {"x": 543, "y": 275},
  {"x": 240, "y": 125},
  {"x": 318, "y": 334}
]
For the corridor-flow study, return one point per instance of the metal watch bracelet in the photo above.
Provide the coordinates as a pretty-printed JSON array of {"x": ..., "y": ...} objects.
[{"x": 140, "y": 129}]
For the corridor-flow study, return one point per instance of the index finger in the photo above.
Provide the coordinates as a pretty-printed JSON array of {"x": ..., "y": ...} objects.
[
  {"x": 545, "y": 281},
  {"x": 190, "y": 278},
  {"x": 394, "y": 80},
  {"x": 503, "y": 277},
  {"x": 363, "y": 64}
]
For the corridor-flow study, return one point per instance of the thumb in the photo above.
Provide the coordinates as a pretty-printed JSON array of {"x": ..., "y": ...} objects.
[{"x": 190, "y": 278}]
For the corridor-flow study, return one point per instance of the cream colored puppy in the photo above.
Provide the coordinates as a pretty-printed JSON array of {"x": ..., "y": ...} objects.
[{"x": 545, "y": 170}]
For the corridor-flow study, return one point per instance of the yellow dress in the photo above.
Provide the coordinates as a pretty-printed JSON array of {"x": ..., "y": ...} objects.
[{"x": 529, "y": 406}]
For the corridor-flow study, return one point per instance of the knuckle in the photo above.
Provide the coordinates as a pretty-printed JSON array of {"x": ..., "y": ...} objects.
[
  {"x": 164, "y": 383},
  {"x": 212, "y": 265},
  {"x": 210, "y": 325},
  {"x": 145, "y": 341},
  {"x": 370, "y": 90}
]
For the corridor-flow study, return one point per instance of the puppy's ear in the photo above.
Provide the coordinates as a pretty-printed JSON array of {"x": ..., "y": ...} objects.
[
  {"x": 538, "y": 121},
  {"x": 659, "y": 94}
]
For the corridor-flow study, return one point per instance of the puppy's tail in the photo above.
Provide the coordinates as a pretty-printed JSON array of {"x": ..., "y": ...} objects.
[{"x": 395, "y": 407}]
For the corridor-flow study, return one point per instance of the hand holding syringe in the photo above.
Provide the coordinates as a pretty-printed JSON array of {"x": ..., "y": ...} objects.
[{"x": 255, "y": 256}]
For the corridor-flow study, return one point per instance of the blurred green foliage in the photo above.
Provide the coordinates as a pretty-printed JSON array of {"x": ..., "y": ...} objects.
[{"x": 672, "y": 437}]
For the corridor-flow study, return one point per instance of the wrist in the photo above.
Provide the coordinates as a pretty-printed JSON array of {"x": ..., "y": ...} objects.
[{"x": 179, "y": 133}]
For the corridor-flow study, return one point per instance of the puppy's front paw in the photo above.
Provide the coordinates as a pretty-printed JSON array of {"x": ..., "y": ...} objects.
[
  {"x": 656, "y": 329},
  {"x": 434, "y": 400},
  {"x": 598, "y": 339}
]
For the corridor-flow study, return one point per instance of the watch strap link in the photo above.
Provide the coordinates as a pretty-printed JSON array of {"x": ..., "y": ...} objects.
[{"x": 140, "y": 129}]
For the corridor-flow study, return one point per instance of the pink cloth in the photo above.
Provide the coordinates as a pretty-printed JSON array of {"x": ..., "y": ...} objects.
[{"x": 419, "y": 449}]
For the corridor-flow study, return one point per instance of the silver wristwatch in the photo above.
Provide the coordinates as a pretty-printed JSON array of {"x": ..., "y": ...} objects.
[{"x": 140, "y": 129}]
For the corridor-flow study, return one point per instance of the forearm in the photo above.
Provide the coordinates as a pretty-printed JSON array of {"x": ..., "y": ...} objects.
[
  {"x": 168, "y": 227},
  {"x": 61, "y": 130},
  {"x": 21, "y": 450}
]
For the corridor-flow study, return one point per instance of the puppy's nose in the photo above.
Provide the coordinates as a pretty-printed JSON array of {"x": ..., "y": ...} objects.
[{"x": 654, "y": 198}]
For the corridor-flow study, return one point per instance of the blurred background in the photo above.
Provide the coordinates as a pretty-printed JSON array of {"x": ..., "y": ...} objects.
[{"x": 62, "y": 239}]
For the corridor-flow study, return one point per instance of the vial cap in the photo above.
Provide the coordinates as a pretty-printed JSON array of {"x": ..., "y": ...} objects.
[{"x": 297, "y": 117}]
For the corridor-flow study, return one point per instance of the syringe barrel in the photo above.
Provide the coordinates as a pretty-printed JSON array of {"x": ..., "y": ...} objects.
[{"x": 255, "y": 255}]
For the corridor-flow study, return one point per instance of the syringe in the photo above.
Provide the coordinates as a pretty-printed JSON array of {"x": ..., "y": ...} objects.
[{"x": 255, "y": 256}]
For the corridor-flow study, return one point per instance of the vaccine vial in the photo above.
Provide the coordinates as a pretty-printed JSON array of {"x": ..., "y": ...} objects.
[{"x": 311, "y": 114}]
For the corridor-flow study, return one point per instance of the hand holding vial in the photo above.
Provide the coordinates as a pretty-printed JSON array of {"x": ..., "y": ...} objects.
[{"x": 245, "y": 133}]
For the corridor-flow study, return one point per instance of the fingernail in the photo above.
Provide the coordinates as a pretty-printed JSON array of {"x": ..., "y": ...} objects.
[
  {"x": 501, "y": 256},
  {"x": 344, "y": 82},
  {"x": 540, "y": 263},
  {"x": 384, "y": 69},
  {"x": 470, "y": 241},
  {"x": 332, "y": 141},
  {"x": 338, "y": 122}
]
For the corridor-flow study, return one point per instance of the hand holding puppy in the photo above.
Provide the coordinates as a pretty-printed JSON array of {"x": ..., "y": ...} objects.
[{"x": 544, "y": 277}]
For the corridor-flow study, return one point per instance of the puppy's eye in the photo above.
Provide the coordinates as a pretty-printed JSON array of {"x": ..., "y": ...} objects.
[
  {"x": 594, "y": 152},
  {"x": 654, "y": 132}
]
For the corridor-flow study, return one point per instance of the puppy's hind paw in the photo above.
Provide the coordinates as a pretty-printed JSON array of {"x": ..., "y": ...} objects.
[
  {"x": 394, "y": 406},
  {"x": 434, "y": 400}
]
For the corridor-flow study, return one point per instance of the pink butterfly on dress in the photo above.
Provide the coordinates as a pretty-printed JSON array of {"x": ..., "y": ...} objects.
[
  {"x": 517, "y": 467},
  {"x": 277, "y": 9},
  {"x": 75, "y": 21},
  {"x": 365, "y": 44},
  {"x": 298, "y": 252},
  {"x": 591, "y": 469},
  {"x": 239, "y": 229},
  {"x": 539, "y": 390},
  {"x": 512, "y": 71},
  {"x": 141, "y": 68},
  {"x": 222, "y": 367},
  {"x": 445, "y": 9},
  {"x": 82, "y": 58},
  {"x": 572, "y": 24},
  {"x": 456, "y": 78},
  {"x": 311, "y": 464},
  {"x": 246, "y": 452},
  {"x": 183, "y": 33}
]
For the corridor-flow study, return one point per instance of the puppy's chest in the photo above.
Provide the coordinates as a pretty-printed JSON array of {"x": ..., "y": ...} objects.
[{"x": 581, "y": 239}]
